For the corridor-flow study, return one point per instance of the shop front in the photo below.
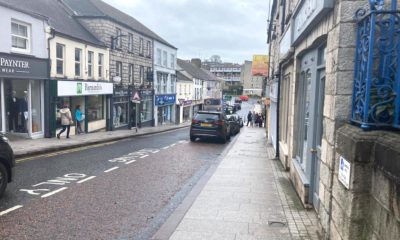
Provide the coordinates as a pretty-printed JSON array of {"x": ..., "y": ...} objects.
[
  {"x": 165, "y": 109},
  {"x": 142, "y": 108},
  {"x": 120, "y": 108},
  {"x": 22, "y": 95},
  {"x": 92, "y": 98}
]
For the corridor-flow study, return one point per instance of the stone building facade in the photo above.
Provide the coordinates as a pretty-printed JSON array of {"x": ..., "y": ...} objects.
[{"x": 312, "y": 49}]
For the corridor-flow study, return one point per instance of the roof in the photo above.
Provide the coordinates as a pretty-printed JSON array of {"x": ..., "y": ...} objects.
[
  {"x": 195, "y": 71},
  {"x": 100, "y": 9},
  {"x": 17, "y": 8},
  {"x": 182, "y": 77},
  {"x": 58, "y": 17}
]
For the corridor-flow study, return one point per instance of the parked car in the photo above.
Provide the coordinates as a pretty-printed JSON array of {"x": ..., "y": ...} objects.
[
  {"x": 234, "y": 121},
  {"x": 210, "y": 124},
  {"x": 7, "y": 163}
]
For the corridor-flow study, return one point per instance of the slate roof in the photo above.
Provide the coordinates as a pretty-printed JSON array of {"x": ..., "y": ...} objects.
[
  {"x": 100, "y": 9},
  {"x": 58, "y": 18},
  {"x": 195, "y": 71},
  {"x": 181, "y": 77}
]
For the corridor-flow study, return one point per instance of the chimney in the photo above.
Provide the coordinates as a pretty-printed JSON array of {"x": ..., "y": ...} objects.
[{"x": 196, "y": 62}]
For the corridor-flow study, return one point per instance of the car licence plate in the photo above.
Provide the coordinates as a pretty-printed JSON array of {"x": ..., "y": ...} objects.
[{"x": 205, "y": 125}]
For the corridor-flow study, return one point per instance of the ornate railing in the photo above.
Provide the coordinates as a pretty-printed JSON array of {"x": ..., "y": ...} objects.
[{"x": 376, "y": 93}]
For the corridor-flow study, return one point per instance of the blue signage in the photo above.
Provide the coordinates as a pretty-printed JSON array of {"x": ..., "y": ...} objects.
[{"x": 162, "y": 100}]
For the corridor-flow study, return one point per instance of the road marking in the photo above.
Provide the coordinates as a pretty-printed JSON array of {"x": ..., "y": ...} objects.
[
  {"x": 54, "y": 192},
  {"x": 156, "y": 151},
  {"x": 10, "y": 210},
  {"x": 172, "y": 144},
  {"x": 111, "y": 169},
  {"x": 165, "y": 147},
  {"x": 130, "y": 162},
  {"x": 86, "y": 179},
  {"x": 144, "y": 156}
]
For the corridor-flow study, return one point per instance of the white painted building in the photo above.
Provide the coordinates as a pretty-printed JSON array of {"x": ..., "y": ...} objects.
[{"x": 164, "y": 83}]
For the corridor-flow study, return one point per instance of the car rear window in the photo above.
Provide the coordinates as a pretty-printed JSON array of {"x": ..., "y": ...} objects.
[{"x": 206, "y": 116}]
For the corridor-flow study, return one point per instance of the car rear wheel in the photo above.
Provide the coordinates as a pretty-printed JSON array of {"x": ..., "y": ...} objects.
[
  {"x": 3, "y": 178},
  {"x": 192, "y": 139}
]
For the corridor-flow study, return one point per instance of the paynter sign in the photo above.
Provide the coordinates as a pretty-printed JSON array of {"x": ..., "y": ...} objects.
[
  {"x": 260, "y": 65},
  {"x": 22, "y": 67}
]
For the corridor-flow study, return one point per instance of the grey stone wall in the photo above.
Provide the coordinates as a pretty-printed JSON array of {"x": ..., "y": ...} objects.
[
  {"x": 370, "y": 208},
  {"x": 104, "y": 29}
]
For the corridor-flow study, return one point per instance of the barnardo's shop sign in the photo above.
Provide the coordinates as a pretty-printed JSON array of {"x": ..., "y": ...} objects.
[
  {"x": 12, "y": 66},
  {"x": 73, "y": 88}
]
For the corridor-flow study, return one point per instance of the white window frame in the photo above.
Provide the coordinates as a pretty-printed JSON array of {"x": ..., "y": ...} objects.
[
  {"x": 118, "y": 69},
  {"x": 173, "y": 61},
  {"x": 165, "y": 59},
  {"x": 141, "y": 73},
  {"x": 27, "y": 38},
  {"x": 90, "y": 63},
  {"x": 101, "y": 65},
  {"x": 62, "y": 59},
  {"x": 78, "y": 62},
  {"x": 130, "y": 73},
  {"x": 141, "y": 46},
  {"x": 159, "y": 53}
]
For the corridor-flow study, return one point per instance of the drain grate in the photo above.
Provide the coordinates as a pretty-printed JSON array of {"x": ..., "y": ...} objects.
[{"x": 276, "y": 224}]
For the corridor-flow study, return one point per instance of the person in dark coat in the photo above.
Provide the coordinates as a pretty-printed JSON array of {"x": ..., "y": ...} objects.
[{"x": 249, "y": 118}]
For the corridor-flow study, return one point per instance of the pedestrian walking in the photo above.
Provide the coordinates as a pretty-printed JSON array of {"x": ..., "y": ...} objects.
[
  {"x": 66, "y": 120},
  {"x": 260, "y": 121},
  {"x": 78, "y": 118},
  {"x": 249, "y": 118}
]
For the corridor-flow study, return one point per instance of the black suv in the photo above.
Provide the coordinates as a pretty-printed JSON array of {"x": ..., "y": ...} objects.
[
  {"x": 209, "y": 124},
  {"x": 7, "y": 163}
]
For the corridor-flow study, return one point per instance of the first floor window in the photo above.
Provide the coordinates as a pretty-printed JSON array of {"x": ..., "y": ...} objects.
[
  {"x": 141, "y": 47},
  {"x": 130, "y": 73},
  {"x": 60, "y": 58},
  {"x": 20, "y": 36},
  {"x": 78, "y": 56},
  {"x": 90, "y": 64},
  {"x": 148, "y": 49},
  {"x": 141, "y": 73},
  {"x": 118, "y": 69},
  {"x": 101, "y": 65}
]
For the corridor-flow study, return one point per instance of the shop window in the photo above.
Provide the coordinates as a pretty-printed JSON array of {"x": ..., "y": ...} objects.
[
  {"x": 141, "y": 47},
  {"x": 101, "y": 65},
  {"x": 20, "y": 36},
  {"x": 78, "y": 56},
  {"x": 149, "y": 49},
  {"x": 90, "y": 64},
  {"x": 130, "y": 42},
  {"x": 146, "y": 113},
  {"x": 95, "y": 108},
  {"x": 60, "y": 58}
]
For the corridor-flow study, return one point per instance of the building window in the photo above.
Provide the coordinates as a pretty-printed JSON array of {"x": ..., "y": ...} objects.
[
  {"x": 101, "y": 65},
  {"x": 173, "y": 83},
  {"x": 285, "y": 100},
  {"x": 172, "y": 61},
  {"x": 141, "y": 73},
  {"x": 165, "y": 60},
  {"x": 130, "y": 77},
  {"x": 130, "y": 42},
  {"x": 90, "y": 64},
  {"x": 95, "y": 108},
  {"x": 141, "y": 46},
  {"x": 20, "y": 37},
  {"x": 118, "y": 69},
  {"x": 159, "y": 56},
  {"x": 119, "y": 38},
  {"x": 148, "y": 49},
  {"x": 60, "y": 58},
  {"x": 164, "y": 83},
  {"x": 149, "y": 74},
  {"x": 78, "y": 56}
]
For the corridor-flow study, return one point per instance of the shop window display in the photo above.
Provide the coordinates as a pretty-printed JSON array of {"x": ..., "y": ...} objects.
[
  {"x": 145, "y": 114},
  {"x": 120, "y": 113},
  {"x": 95, "y": 108}
]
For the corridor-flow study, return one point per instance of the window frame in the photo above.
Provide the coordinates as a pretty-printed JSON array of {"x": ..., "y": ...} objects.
[
  {"x": 90, "y": 64},
  {"x": 131, "y": 70},
  {"x": 172, "y": 64},
  {"x": 148, "y": 49},
  {"x": 118, "y": 69},
  {"x": 26, "y": 38},
  {"x": 141, "y": 74},
  {"x": 118, "y": 41},
  {"x": 141, "y": 46},
  {"x": 100, "y": 65},
  {"x": 159, "y": 57},
  {"x": 62, "y": 59},
  {"x": 165, "y": 59},
  {"x": 78, "y": 62},
  {"x": 130, "y": 42}
]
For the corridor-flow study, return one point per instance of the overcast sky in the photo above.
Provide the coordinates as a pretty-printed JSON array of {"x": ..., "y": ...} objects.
[{"x": 232, "y": 29}]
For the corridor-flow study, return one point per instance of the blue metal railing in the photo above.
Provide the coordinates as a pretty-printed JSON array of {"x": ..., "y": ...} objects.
[{"x": 376, "y": 90}]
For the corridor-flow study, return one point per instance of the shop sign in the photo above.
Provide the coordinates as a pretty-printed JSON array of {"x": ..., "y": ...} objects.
[
  {"x": 309, "y": 12},
  {"x": 73, "y": 88},
  {"x": 344, "y": 172},
  {"x": 184, "y": 102},
  {"x": 118, "y": 92},
  {"x": 165, "y": 100},
  {"x": 23, "y": 67}
]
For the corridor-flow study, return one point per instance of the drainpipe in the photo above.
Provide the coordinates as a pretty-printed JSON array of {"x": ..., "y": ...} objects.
[
  {"x": 49, "y": 103},
  {"x": 278, "y": 77}
]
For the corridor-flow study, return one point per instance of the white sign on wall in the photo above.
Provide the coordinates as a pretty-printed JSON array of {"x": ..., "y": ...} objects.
[
  {"x": 344, "y": 172},
  {"x": 73, "y": 88}
]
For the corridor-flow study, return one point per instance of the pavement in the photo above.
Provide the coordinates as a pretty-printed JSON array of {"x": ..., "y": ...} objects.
[
  {"x": 31, "y": 147},
  {"x": 247, "y": 196}
]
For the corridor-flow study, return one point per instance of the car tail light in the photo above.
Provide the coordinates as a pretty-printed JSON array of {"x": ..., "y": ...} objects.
[
  {"x": 195, "y": 121},
  {"x": 219, "y": 123}
]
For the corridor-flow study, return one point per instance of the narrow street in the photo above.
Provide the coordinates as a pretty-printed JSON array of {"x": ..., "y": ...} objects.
[{"x": 123, "y": 190}]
